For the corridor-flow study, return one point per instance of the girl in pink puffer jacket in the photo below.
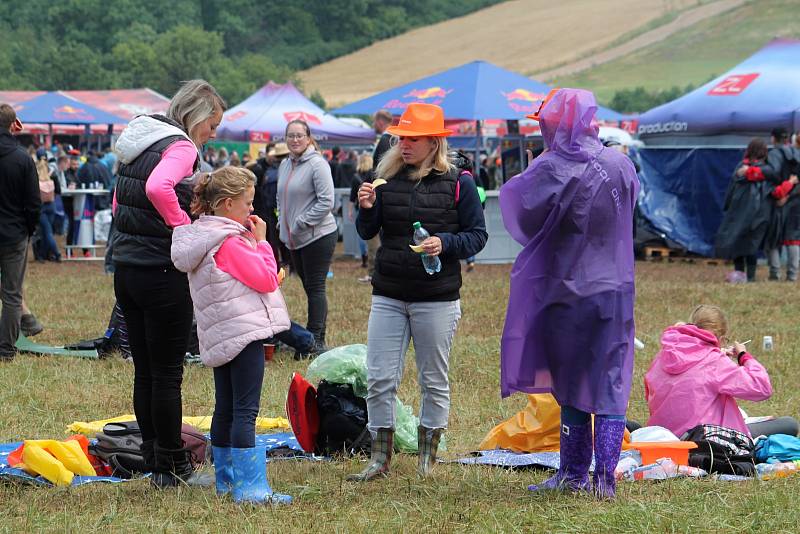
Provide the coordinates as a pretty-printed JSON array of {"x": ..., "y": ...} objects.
[{"x": 234, "y": 283}]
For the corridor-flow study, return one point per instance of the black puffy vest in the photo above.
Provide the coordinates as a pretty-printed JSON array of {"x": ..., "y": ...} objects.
[
  {"x": 141, "y": 237},
  {"x": 399, "y": 273}
]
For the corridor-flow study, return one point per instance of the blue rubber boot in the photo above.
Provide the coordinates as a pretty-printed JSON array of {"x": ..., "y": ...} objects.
[
  {"x": 576, "y": 457},
  {"x": 250, "y": 478},
  {"x": 223, "y": 469}
]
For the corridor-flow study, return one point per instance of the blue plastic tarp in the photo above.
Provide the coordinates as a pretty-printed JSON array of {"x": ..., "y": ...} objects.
[
  {"x": 683, "y": 190},
  {"x": 263, "y": 116},
  {"x": 474, "y": 91},
  {"x": 751, "y": 99},
  {"x": 58, "y": 108}
]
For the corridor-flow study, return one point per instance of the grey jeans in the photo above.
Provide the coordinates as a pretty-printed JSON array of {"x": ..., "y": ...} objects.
[
  {"x": 793, "y": 262},
  {"x": 392, "y": 325},
  {"x": 13, "y": 260}
]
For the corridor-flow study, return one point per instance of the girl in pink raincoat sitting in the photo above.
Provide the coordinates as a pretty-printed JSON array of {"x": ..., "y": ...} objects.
[{"x": 694, "y": 380}]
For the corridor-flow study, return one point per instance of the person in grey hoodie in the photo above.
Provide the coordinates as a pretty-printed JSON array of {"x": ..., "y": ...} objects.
[
  {"x": 307, "y": 226},
  {"x": 158, "y": 158}
]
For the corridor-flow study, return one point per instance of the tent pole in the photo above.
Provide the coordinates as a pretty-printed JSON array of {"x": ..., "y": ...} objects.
[{"x": 476, "y": 167}]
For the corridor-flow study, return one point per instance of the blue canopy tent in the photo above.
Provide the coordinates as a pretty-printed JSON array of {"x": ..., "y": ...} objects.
[
  {"x": 57, "y": 108},
  {"x": 474, "y": 91},
  {"x": 695, "y": 141}
]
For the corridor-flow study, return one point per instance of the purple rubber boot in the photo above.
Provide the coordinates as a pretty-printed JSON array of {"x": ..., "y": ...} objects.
[
  {"x": 607, "y": 443},
  {"x": 576, "y": 456}
]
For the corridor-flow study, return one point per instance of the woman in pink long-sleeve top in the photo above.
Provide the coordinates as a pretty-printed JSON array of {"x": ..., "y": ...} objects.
[
  {"x": 693, "y": 380},
  {"x": 158, "y": 158}
]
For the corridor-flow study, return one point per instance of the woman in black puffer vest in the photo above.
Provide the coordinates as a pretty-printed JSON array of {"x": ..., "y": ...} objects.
[
  {"x": 158, "y": 159},
  {"x": 407, "y": 302}
]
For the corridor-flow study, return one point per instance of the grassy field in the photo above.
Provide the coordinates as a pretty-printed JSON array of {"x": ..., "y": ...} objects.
[
  {"x": 522, "y": 35},
  {"x": 695, "y": 55},
  {"x": 41, "y": 395}
]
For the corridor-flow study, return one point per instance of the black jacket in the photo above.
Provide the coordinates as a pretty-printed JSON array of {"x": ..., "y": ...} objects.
[
  {"x": 141, "y": 237},
  {"x": 20, "y": 202},
  {"x": 384, "y": 144},
  {"x": 94, "y": 171},
  {"x": 459, "y": 223},
  {"x": 785, "y": 161},
  {"x": 748, "y": 213}
]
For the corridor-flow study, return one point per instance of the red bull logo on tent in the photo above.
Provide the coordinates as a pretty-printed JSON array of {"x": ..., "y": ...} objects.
[
  {"x": 429, "y": 95},
  {"x": 309, "y": 118},
  {"x": 733, "y": 85},
  {"x": 71, "y": 112},
  {"x": 235, "y": 116},
  {"x": 523, "y": 101}
]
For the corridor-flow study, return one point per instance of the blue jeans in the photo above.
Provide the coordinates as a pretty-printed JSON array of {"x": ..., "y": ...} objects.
[
  {"x": 392, "y": 325},
  {"x": 297, "y": 337},
  {"x": 237, "y": 388},
  {"x": 48, "y": 248}
]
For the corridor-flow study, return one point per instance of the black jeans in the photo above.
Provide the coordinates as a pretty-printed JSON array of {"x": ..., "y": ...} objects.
[
  {"x": 751, "y": 263},
  {"x": 158, "y": 310},
  {"x": 311, "y": 263},
  {"x": 237, "y": 388},
  {"x": 779, "y": 425}
]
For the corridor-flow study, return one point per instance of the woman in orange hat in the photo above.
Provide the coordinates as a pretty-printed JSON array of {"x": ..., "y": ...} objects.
[{"x": 415, "y": 183}]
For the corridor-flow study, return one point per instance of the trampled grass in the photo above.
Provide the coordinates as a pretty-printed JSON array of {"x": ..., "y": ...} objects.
[{"x": 41, "y": 395}]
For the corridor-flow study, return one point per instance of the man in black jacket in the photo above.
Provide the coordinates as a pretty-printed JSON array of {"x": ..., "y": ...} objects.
[
  {"x": 381, "y": 121},
  {"x": 20, "y": 205}
]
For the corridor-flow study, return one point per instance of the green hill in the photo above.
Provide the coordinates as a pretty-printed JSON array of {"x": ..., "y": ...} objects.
[{"x": 695, "y": 55}]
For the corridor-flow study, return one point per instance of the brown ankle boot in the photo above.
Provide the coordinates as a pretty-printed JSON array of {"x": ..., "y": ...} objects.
[
  {"x": 380, "y": 457},
  {"x": 428, "y": 445}
]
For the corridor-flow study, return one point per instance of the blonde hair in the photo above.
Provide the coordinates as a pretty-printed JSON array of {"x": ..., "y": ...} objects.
[
  {"x": 195, "y": 101},
  {"x": 710, "y": 318},
  {"x": 392, "y": 162},
  {"x": 364, "y": 163},
  {"x": 43, "y": 170},
  {"x": 214, "y": 187}
]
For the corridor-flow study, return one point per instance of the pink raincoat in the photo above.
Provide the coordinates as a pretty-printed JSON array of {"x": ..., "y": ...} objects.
[{"x": 693, "y": 382}]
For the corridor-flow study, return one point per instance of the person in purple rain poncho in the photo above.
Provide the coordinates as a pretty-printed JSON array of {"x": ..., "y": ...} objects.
[{"x": 569, "y": 325}]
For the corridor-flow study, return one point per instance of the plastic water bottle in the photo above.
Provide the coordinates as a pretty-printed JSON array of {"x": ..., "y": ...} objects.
[
  {"x": 662, "y": 469},
  {"x": 431, "y": 263}
]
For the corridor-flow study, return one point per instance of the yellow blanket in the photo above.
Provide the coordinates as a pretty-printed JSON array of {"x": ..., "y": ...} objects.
[{"x": 263, "y": 424}]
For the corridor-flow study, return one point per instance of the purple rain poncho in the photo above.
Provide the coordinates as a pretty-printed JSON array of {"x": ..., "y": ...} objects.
[{"x": 569, "y": 325}]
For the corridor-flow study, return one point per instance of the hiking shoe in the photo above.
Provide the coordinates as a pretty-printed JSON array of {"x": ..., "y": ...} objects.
[{"x": 30, "y": 325}]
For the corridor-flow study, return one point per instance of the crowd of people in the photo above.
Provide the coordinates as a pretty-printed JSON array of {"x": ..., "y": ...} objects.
[
  {"x": 762, "y": 209},
  {"x": 209, "y": 236}
]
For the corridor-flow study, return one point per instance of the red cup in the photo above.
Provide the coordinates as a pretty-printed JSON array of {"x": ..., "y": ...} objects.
[{"x": 269, "y": 351}]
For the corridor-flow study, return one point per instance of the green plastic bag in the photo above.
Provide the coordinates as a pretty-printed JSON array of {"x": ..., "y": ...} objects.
[
  {"x": 343, "y": 365},
  {"x": 348, "y": 365}
]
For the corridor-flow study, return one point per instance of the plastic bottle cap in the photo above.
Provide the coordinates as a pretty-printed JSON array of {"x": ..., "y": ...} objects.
[{"x": 417, "y": 225}]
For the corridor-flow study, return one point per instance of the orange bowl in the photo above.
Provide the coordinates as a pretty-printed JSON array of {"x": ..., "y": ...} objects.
[{"x": 651, "y": 451}]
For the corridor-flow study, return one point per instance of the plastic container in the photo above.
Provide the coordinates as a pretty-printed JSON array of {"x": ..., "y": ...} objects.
[
  {"x": 766, "y": 343},
  {"x": 627, "y": 465},
  {"x": 432, "y": 264},
  {"x": 269, "y": 352},
  {"x": 677, "y": 451},
  {"x": 777, "y": 470}
]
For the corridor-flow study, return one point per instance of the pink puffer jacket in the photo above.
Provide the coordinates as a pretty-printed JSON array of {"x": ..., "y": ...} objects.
[{"x": 230, "y": 315}]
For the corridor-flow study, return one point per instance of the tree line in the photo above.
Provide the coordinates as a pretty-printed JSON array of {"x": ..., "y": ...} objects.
[{"x": 238, "y": 45}]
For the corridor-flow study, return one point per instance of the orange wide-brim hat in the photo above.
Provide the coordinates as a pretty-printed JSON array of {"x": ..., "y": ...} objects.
[
  {"x": 535, "y": 116},
  {"x": 421, "y": 120}
]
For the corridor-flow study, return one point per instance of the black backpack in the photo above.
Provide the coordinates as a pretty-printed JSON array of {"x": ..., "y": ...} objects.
[
  {"x": 721, "y": 450},
  {"x": 119, "y": 445},
  {"x": 342, "y": 420}
]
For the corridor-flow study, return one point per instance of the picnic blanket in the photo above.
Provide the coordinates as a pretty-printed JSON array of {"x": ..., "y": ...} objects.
[
  {"x": 263, "y": 424},
  {"x": 511, "y": 459},
  {"x": 279, "y": 446},
  {"x": 26, "y": 345}
]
